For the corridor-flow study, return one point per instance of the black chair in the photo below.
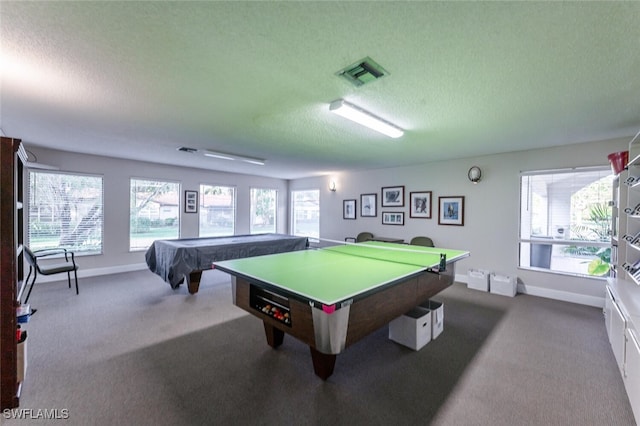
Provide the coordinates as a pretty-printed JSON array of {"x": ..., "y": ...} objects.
[
  {"x": 35, "y": 268},
  {"x": 363, "y": 236},
  {"x": 422, "y": 241}
]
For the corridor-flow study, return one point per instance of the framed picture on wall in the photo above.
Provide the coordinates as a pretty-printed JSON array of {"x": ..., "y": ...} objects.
[
  {"x": 368, "y": 205},
  {"x": 191, "y": 201},
  {"x": 420, "y": 204},
  {"x": 349, "y": 209},
  {"x": 392, "y": 218},
  {"x": 393, "y": 196},
  {"x": 451, "y": 211}
]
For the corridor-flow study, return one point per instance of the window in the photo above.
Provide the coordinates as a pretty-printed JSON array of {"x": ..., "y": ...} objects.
[
  {"x": 565, "y": 221},
  {"x": 65, "y": 210},
  {"x": 217, "y": 210},
  {"x": 263, "y": 210},
  {"x": 305, "y": 211},
  {"x": 154, "y": 212}
]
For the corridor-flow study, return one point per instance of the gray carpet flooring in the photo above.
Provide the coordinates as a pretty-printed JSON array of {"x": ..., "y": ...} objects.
[{"x": 129, "y": 350}]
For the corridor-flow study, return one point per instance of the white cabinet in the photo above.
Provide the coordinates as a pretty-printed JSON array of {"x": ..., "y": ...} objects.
[
  {"x": 632, "y": 371},
  {"x": 608, "y": 311},
  {"x": 622, "y": 321},
  {"x": 617, "y": 336}
]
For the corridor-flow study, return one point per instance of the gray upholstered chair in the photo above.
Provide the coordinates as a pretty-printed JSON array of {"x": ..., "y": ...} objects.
[
  {"x": 66, "y": 264},
  {"x": 363, "y": 236},
  {"x": 422, "y": 241}
]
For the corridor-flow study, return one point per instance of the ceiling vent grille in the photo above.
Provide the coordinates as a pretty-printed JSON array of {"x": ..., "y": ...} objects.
[
  {"x": 362, "y": 72},
  {"x": 186, "y": 149}
]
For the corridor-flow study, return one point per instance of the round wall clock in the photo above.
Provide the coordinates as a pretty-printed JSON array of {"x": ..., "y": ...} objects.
[{"x": 474, "y": 174}]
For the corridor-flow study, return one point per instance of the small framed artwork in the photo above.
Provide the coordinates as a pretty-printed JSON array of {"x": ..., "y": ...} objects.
[
  {"x": 420, "y": 204},
  {"x": 191, "y": 201},
  {"x": 393, "y": 196},
  {"x": 392, "y": 218},
  {"x": 451, "y": 211},
  {"x": 368, "y": 205},
  {"x": 349, "y": 209}
]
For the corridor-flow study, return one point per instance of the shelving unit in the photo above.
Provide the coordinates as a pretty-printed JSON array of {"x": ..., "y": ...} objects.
[
  {"x": 12, "y": 158},
  {"x": 622, "y": 302},
  {"x": 619, "y": 225}
]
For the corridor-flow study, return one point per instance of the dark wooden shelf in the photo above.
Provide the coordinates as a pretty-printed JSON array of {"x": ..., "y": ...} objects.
[{"x": 12, "y": 155}]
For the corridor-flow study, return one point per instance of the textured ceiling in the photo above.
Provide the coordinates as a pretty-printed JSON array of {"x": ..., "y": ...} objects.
[{"x": 139, "y": 79}]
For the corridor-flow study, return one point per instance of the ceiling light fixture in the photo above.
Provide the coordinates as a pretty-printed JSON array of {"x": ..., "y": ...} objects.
[
  {"x": 360, "y": 116},
  {"x": 232, "y": 157},
  {"x": 217, "y": 155},
  {"x": 223, "y": 155}
]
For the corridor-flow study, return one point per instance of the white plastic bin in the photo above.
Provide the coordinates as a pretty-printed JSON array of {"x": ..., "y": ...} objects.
[
  {"x": 412, "y": 329},
  {"x": 437, "y": 317},
  {"x": 22, "y": 360},
  {"x": 503, "y": 285},
  {"x": 478, "y": 279}
]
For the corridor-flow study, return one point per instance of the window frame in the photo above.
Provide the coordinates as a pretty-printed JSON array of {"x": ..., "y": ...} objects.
[
  {"x": 293, "y": 212},
  {"x": 202, "y": 210},
  {"x": 251, "y": 209},
  {"x": 179, "y": 207},
  {"x": 29, "y": 221},
  {"x": 554, "y": 241}
]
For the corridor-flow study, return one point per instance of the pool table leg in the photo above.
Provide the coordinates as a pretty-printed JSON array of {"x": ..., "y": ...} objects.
[
  {"x": 194, "y": 281},
  {"x": 275, "y": 336},
  {"x": 322, "y": 363}
]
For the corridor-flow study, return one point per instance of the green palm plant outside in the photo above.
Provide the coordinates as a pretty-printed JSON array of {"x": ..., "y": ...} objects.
[{"x": 599, "y": 229}]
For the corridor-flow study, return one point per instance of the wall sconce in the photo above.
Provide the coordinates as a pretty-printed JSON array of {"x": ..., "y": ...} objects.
[
  {"x": 332, "y": 186},
  {"x": 474, "y": 174}
]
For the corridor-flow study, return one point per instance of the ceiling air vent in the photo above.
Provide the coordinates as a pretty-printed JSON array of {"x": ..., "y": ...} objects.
[
  {"x": 362, "y": 72},
  {"x": 186, "y": 149}
]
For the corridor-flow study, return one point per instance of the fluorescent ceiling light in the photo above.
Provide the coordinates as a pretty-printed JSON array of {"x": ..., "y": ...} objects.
[
  {"x": 360, "y": 116},
  {"x": 216, "y": 155},
  {"x": 232, "y": 157},
  {"x": 222, "y": 155}
]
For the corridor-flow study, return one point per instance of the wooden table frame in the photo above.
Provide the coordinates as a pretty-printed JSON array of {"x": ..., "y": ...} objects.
[{"x": 366, "y": 314}]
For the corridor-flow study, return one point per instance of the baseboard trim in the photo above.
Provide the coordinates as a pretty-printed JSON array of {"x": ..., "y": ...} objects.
[
  {"x": 548, "y": 293},
  {"x": 95, "y": 272},
  {"x": 461, "y": 278},
  {"x": 565, "y": 296},
  {"x": 582, "y": 299}
]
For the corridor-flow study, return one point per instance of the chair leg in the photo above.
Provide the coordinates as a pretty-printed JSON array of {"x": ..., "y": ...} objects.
[
  {"x": 26, "y": 284},
  {"x": 35, "y": 274},
  {"x": 75, "y": 273}
]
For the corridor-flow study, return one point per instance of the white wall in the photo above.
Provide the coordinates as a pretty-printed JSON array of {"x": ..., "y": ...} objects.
[
  {"x": 490, "y": 230},
  {"x": 116, "y": 256}
]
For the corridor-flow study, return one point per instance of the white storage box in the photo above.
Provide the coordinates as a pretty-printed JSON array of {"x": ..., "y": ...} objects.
[
  {"x": 22, "y": 360},
  {"x": 437, "y": 317},
  {"x": 412, "y": 329},
  {"x": 503, "y": 284},
  {"x": 478, "y": 279}
]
